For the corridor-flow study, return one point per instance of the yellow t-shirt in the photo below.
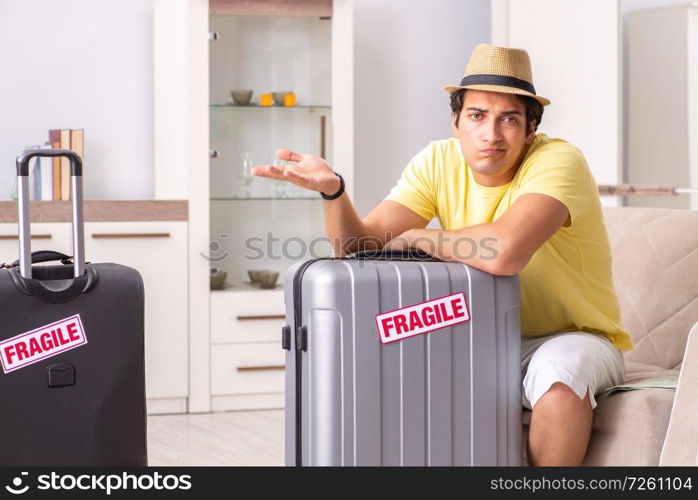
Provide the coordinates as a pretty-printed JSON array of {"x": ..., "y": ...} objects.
[{"x": 567, "y": 285}]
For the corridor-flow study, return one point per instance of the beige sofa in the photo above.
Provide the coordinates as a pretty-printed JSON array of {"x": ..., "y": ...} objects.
[{"x": 655, "y": 270}]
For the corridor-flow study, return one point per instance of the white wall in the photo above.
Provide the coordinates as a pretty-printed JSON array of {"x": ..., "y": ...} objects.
[
  {"x": 80, "y": 64},
  {"x": 575, "y": 54},
  {"x": 405, "y": 51}
]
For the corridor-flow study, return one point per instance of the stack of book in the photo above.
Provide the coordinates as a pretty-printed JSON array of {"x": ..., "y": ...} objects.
[{"x": 49, "y": 178}]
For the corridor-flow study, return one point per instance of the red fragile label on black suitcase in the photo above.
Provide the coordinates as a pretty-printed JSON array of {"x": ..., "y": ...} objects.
[{"x": 41, "y": 343}]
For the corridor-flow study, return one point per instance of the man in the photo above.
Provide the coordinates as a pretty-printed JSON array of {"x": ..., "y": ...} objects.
[{"x": 533, "y": 202}]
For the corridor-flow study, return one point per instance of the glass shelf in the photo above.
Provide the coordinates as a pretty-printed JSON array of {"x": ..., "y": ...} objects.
[
  {"x": 263, "y": 223},
  {"x": 264, "y": 198},
  {"x": 230, "y": 105}
]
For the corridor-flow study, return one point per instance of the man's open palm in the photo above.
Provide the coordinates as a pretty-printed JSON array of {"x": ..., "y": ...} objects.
[{"x": 308, "y": 171}]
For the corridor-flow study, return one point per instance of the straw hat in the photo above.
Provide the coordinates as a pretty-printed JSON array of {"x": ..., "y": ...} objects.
[{"x": 499, "y": 69}]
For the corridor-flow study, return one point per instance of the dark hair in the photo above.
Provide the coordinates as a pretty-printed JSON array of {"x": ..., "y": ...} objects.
[{"x": 534, "y": 109}]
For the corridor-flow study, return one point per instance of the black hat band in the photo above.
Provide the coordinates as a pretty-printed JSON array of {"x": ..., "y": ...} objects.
[{"x": 507, "y": 81}]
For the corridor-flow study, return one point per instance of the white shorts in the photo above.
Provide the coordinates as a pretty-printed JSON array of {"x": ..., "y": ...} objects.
[{"x": 586, "y": 362}]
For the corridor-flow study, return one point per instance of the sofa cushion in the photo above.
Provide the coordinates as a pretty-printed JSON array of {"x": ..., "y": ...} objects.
[
  {"x": 637, "y": 372},
  {"x": 628, "y": 427},
  {"x": 655, "y": 271}
]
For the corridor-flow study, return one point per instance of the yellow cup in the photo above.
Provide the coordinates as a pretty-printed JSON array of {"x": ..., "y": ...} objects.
[
  {"x": 289, "y": 99},
  {"x": 266, "y": 100}
]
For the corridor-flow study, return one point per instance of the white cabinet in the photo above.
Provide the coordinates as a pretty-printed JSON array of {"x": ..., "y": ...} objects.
[
  {"x": 246, "y": 358},
  {"x": 45, "y": 236},
  {"x": 247, "y": 369},
  {"x": 246, "y": 316},
  {"x": 158, "y": 250},
  {"x": 247, "y": 361},
  {"x": 182, "y": 121}
]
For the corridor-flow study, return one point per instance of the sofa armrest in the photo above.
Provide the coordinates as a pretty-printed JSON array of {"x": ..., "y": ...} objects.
[{"x": 681, "y": 442}]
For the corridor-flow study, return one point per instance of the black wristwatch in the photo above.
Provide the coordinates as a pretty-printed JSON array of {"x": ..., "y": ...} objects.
[{"x": 338, "y": 193}]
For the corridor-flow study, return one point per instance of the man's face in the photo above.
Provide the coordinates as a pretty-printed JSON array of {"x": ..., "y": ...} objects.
[{"x": 492, "y": 134}]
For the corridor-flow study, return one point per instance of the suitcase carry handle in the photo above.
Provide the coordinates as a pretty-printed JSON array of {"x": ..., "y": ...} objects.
[
  {"x": 50, "y": 294},
  {"x": 25, "y": 256},
  {"x": 44, "y": 256},
  {"x": 35, "y": 287},
  {"x": 408, "y": 254}
]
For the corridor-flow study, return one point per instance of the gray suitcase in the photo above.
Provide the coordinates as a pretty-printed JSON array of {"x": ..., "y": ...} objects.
[
  {"x": 448, "y": 397},
  {"x": 72, "y": 384}
]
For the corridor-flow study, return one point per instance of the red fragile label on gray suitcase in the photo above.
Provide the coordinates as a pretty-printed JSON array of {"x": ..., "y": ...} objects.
[
  {"x": 424, "y": 317},
  {"x": 44, "y": 342}
]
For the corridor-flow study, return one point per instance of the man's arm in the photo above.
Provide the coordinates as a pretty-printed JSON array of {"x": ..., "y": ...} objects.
[
  {"x": 346, "y": 230},
  {"x": 502, "y": 247},
  {"x": 349, "y": 233}
]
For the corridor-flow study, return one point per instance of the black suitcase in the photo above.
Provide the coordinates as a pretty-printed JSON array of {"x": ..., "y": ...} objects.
[{"x": 72, "y": 390}]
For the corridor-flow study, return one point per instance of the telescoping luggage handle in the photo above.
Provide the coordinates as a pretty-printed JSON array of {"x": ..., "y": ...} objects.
[{"x": 25, "y": 257}]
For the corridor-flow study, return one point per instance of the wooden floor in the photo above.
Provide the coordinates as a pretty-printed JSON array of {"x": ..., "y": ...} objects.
[{"x": 230, "y": 438}]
